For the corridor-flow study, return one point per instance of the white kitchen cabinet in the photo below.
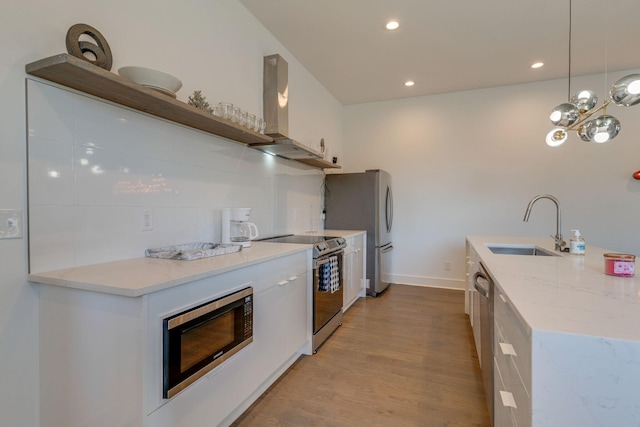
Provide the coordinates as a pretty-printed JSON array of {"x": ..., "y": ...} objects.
[
  {"x": 281, "y": 332},
  {"x": 502, "y": 414},
  {"x": 354, "y": 270},
  {"x": 472, "y": 298},
  {"x": 573, "y": 353},
  {"x": 512, "y": 360},
  {"x": 101, "y": 354},
  {"x": 280, "y": 313}
]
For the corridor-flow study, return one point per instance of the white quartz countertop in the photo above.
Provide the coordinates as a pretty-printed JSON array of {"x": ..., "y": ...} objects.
[
  {"x": 139, "y": 276},
  {"x": 331, "y": 233},
  {"x": 566, "y": 293},
  {"x": 339, "y": 233}
]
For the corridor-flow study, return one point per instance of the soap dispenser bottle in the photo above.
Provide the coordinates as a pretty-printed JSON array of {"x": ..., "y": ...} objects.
[{"x": 576, "y": 244}]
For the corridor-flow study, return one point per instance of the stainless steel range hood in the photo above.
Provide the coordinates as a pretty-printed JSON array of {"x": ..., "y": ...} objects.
[
  {"x": 276, "y": 113},
  {"x": 275, "y": 96},
  {"x": 289, "y": 149}
]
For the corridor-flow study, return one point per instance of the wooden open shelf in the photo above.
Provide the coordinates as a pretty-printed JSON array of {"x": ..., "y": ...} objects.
[
  {"x": 81, "y": 75},
  {"x": 85, "y": 77},
  {"x": 320, "y": 163}
]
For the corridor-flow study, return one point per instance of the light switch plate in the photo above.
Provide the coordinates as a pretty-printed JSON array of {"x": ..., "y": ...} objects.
[{"x": 10, "y": 223}]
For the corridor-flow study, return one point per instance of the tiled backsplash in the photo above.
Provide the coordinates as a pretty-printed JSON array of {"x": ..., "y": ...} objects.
[{"x": 95, "y": 168}]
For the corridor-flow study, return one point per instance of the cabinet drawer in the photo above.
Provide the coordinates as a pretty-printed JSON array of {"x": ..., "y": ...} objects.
[
  {"x": 509, "y": 411},
  {"x": 516, "y": 392},
  {"x": 514, "y": 332},
  {"x": 354, "y": 244},
  {"x": 358, "y": 242},
  {"x": 502, "y": 414},
  {"x": 283, "y": 269},
  {"x": 350, "y": 248}
]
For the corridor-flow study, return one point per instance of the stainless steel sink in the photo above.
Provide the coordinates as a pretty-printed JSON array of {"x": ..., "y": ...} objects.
[{"x": 520, "y": 250}]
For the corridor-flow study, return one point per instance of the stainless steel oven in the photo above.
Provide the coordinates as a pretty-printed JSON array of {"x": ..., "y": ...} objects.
[
  {"x": 327, "y": 296},
  {"x": 199, "y": 339},
  {"x": 327, "y": 281}
]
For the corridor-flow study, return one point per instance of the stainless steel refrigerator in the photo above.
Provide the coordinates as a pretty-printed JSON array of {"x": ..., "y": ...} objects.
[{"x": 364, "y": 201}]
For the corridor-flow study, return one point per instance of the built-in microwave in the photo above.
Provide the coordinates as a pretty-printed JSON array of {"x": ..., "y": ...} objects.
[{"x": 199, "y": 339}]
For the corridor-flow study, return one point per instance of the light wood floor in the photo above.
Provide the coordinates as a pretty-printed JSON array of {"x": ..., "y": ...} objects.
[{"x": 405, "y": 358}]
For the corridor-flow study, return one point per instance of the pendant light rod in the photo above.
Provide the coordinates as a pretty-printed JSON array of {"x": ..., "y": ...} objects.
[
  {"x": 606, "y": 44},
  {"x": 570, "y": 31},
  {"x": 579, "y": 112}
]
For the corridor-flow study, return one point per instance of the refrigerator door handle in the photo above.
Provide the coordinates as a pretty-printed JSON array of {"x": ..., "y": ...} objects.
[
  {"x": 389, "y": 209},
  {"x": 387, "y": 249}
]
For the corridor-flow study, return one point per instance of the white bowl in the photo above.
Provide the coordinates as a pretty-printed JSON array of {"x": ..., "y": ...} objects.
[{"x": 151, "y": 78}]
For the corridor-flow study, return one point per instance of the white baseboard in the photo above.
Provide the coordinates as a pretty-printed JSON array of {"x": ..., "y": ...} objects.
[{"x": 434, "y": 282}]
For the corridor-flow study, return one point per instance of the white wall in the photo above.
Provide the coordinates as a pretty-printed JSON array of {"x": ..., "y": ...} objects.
[
  {"x": 214, "y": 46},
  {"x": 462, "y": 163},
  {"x": 95, "y": 170},
  {"x": 467, "y": 163}
]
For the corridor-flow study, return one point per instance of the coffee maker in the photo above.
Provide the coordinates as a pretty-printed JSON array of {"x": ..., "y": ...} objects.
[{"x": 236, "y": 228}]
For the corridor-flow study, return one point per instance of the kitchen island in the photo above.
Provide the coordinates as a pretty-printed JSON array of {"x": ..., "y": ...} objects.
[{"x": 566, "y": 337}]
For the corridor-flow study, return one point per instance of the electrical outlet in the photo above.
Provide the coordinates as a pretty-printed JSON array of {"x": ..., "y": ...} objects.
[
  {"x": 147, "y": 221},
  {"x": 447, "y": 265},
  {"x": 10, "y": 224}
]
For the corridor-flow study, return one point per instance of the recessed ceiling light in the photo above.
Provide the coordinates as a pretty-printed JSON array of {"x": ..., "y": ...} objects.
[
  {"x": 392, "y": 25},
  {"x": 537, "y": 64},
  {"x": 409, "y": 83}
]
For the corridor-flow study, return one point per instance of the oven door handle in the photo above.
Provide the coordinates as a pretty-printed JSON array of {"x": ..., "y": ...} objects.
[{"x": 322, "y": 261}]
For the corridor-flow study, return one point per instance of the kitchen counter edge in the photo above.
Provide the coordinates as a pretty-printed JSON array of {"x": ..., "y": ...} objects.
[
  {"x": 140, "y": 276},
  {"x": 565, "y": 293},
  {"x": 339, "y": 233}
]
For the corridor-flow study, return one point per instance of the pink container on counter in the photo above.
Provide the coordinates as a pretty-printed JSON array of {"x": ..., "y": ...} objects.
[{"x": 619, "y": 264}]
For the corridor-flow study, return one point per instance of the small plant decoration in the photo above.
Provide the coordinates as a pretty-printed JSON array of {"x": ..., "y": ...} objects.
[{"x": 199, "y": 101}]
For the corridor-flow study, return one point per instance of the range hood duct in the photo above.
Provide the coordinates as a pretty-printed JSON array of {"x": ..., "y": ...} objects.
[
  {"x": 276, "y": 113},
  {"x": 275, "y": 96}
]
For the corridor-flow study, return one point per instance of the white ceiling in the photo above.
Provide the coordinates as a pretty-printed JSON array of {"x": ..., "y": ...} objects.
[{"x": 449, "y": 45}]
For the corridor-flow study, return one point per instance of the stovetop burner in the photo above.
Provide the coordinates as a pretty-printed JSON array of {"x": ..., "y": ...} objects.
[{"x": 322, "y": 245}]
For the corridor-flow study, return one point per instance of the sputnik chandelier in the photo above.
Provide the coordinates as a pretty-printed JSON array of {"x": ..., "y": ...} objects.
[{"x": 580, "y": 113}]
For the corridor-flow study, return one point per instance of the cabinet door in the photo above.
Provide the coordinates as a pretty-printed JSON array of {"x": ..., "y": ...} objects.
[
  {"x": 347, "y": 266},
  {"x": 294, "y": 327},
  {"x": 353, "y": 263},
  {"x": 512, "y": 350},
  {"x": 501, "y": 412},
  {"x": 280, "y": 315},
  {"x": 358, "y": 270},
  {"x": 472, "y": 297},
  {"x": 472, "y": 265}
]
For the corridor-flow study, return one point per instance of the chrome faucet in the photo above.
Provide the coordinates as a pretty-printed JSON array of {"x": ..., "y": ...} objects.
[{"x": 558, "y": 237}]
